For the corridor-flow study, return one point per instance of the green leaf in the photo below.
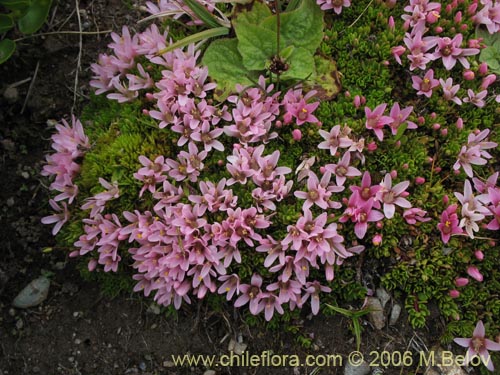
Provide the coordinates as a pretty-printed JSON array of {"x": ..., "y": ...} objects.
[
  {"x": 255, "y": 16},
  {"x": 488, "y": 39},
  {"x": 202, "y": 35},
  {"x": 326, "y": 80},
  {"x": 256, "y": 45},
  {"x": 491, "y": 55},
  {"x": 225, "y": 65},
  {"x": 301, "y": 65},
  {"x": 302, "y": 27},
  {"x": 6, "y": 23},
  {"x": 7, "y": 48},
  {"x": 35, "y": 17},
  {"x": 17, "y": 6},
  {"x": 202, "y": 13}
]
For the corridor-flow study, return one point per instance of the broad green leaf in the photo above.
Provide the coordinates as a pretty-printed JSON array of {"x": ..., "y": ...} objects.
[
  {"x": 35, "y": 17},
  {"x": 301, "y": 65},
  {"x": 7, "y": 48},
  {"x": 326, "y": 80},
  {"x": 202, "y": 13},
  {"x": 490, "y": 54},
  {"x": 6, "y": 23},
  {"x": 292, "y": 5},
  {"x": 16, "y": 5},
  {"x": 202, "y": 35},
  {"x": 302, "y": 27},
  {"x": 255, "y": 16},
  {"x": 256, "y": 44},
  {"x": 225, "y": 65}
]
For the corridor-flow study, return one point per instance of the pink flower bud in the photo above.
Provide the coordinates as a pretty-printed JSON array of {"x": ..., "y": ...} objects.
[
  {"x": 279, "y": 124},
  {"x": 433, "y": 115},
  {"x": 391, "y": 23},
  {"x": 297, "y": 135},
  {"x": 458, "y": 17},
  {"x": 476, "y": 131},
  {"x": 437, "y": 169},
  {"x": 488, "y": 80},
  {"x": 149, "y": 96},
  {"x": 473, "y": 272},
  {"x": 74, "y": 253},
  {"x": 372, "y": 146},
  {"x": 461, "y": 281},
  {"x": 432, "y": 17},
  {"x": 145, "y": 112},
  {"x": 436, "y": 126},
  {"x": 460, "y": 123},
  {"x": 394, "y": 173},
  {"x": 405, "y": 166},
  {"x": 379, "y": 225},
  {"x": 479, "y": 255},
  {"x": 483, "y": 68},
  {"x": 319, "y": 124},
  {"x": 377, "y": 239},
  {"x": 492, "y": 243},
  {"x": 92, "y": 265},
  {"x": 444, "y": 132},
  {"x": 448, "y": 8},
  {"x": 429, "y": 160},
  {"x": 322, "y": 170},
  {"x": 344, "y": 200},
  {"x": 446, "y": 199},
  {"x": 421, "y": 120},
  {"x": 438, "y": 29},
  {"x": 237, "y": 146},
  {"x": 420, "y": 180},
  {"x": 474, "y": 43},
  {"x": 357, "y": 101},
  {"x": 398, "y": 144},
  {"x": 363, "y": 100},
  {"x": 464, "y": 27},
  {"x": 220, "y": 163},
  {"x": 405, "y": 194},
  {"x": 456, "y": 172},
  {"x": 468, "y": 75},
  {"x": 471, "y": 10},
  {"x": 454, "y": 293},
  {"x": 347, "y": 94},
  {"x": 386, "y": 63}
]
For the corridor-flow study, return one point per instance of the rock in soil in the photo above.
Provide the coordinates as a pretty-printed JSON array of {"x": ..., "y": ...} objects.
[
  {"x": 363, "y": 369},
  {"x": 376, "y": 316},
  {"x": 395, "y": 313},
  {"x": 33, "y": 294},
  {"x": 383, "y": 296}
]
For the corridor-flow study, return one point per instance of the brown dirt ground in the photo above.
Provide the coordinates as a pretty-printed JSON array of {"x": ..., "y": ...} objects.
[{"x": 76, "y": 330}]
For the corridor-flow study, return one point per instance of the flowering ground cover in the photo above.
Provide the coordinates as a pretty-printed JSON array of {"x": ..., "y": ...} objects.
[{"x": 249, "y": 155}]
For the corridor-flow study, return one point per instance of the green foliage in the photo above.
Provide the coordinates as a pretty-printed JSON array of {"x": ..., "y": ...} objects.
[
  {"x": 490, "y": 54},
  {"x": 30, "y": 15}
]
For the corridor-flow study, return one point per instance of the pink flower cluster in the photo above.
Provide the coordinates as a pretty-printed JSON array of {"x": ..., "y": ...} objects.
[
  {"x": 376, "y": 120},
  {"x": 336, "y": 5},
  {"x": 69, "y": 143}
]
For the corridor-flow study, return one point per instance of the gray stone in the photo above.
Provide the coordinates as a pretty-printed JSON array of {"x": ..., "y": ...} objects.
[
  {"x": 239, "y": 348},
  {"x": 377, "y": 316},
  {"x": 383, "y": 296},
  {"x": 33, "y": 294},
  {"x": 363, "y": 369},
  {"x": 395, "y": 313}
]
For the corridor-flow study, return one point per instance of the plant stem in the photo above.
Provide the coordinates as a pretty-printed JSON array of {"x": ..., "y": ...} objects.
[{"x": 278, "y": 31}]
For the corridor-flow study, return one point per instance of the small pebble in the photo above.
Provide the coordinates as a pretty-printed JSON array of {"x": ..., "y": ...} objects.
[
  {"x": 395, "y": 313},
  {"x": 142, "y": 366},
  {"x": 20, "y": 324},
  {"x": 78, "y": 342}
]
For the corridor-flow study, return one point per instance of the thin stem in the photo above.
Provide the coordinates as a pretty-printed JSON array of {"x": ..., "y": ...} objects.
[{"x": 278, "y": 32}]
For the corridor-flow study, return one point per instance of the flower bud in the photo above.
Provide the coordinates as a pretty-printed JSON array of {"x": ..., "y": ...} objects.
[
  {"x": 297, "y": 135},
  {"x": 372, "y": 146},
  {"x": 145, "y": 112},
  {"x": 436, "y": 126},
  {"x": 464, "y": 27},
  {"x": 461, "y": 281},
  {"x": 379, "y": 225},
  {"x": 468, "y": 75},
  {"x": 479, "y": 255},
  {"x": 404, "y": 194},
  {"x": 433, "y": 115},
  {"x": 357, "y": 101},
  {"x": 419, "y": 180},
  {"x": 432, "y": 17},
  {"x": 92, "y": 265},
  {"x": 458, "y": 17},
  {"x": 405, "y": 166},
  {"x": 446, "y": 199},
  {"x": 471, "y": 10},
  {"x": 421, "y": 120},
  {"x": 391, "y": 23},
  {"x": 322, "y": 170},
  {"x": 279, "y": 124},
  {"x": 488, "y": 80},
  {"x": 473, "y": 272},
  {"x": 460, "y": 123},
  {"x": 444, "y": 132},
  {"x": 377, "y": 239},
  {"x": 437, "y": 169},
  {"x": 347, "y": 94},
  {"x": 483, "y": 68},
  {"x": 474, "y": 43},
  {"x": 438, "y": 30},
  {"x": 394, "y": 173},
  {"x": 454, "y": 293},
  {"x": 220, "y": 163},
  {"x": 149, "y": 96}
]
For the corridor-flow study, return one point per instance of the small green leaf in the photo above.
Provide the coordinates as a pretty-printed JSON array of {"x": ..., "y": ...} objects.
[
  {"x": 225, "y": 65},
  {"x": 202, "y": 35},
  {"x": 6, "y": 23},
  {"x": 301, "y": 65},
  {"x": 255, "y": 16},
  {"x": 491, "y": 56},
  {"x": 326, "y": 80},
  {"x": 302, "y": 27},
  {"x": 256, "y": 45},
  {"x": 202, "y": 13},
  {"x": 35, "y": 17},
  {"x": 7, "y": 48}
]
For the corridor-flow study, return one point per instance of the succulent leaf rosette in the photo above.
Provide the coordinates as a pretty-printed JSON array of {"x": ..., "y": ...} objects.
[{"x": 238, "y": 170}]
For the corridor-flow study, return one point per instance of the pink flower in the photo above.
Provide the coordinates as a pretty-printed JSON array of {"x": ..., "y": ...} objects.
[
  {"x": 473, "y": 272},
  {"x": 399, "y": 116},
  {"x": 479, "y": 345},
  {"x": 342, "y": 170},
  {"x": 336, "y": 5},
  {"x": 317, "y": 193},
  {"x": 461, "y": 281},
  {"x": 449, "y": 51},
  {"x": 334, "y": 139},
  {"x": 450, "y": 90},
  {"x": 449, "y": 223},
  {"x": 251, "y": 293},
  {"x": 59, "y": 218},
  {"x": 392, "y": 196},
  {"x": 415, "y": 214},
  {"x": 476, "y": 99},
  {"x": 424, "y": 86},
  {"x": 313, "y": 289},
  {"x": 375, "y": 120}
]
